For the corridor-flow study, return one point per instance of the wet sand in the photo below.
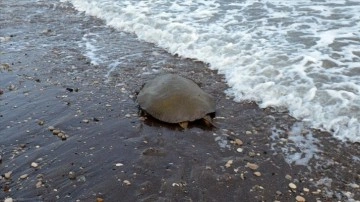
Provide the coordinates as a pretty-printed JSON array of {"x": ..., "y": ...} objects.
[{"x": 113, "y": 153}]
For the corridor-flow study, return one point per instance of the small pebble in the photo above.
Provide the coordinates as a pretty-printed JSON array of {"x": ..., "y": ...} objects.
[
  {"x": 70, "y": 89},
  {"x": 99, "y": 200},
  {"x": 252, "y": 154},
  {"x": 41, "y": 122},
  {"x": 38, "y": 184},
  {"x": 248, "y": 132},
  {"x": 85, "y": 121},
  {"x": 40, "y": 177},
  {"x": 300, "y": 199},
  {"x": 34, "y": 165},
  {"x": 127, "y": 182},
  {"x": 316, "y": 192},
  {"x": 238, "y": 142},
  {"x": 306, "y": 190},
  {"x": 257, "y": 173},
  {"x": 51, "y": 128},
  {"x": 127, "y": 115},
  {"x": 7, "y": 175},
  {"x": 72, "y": 175},
  {"x": 55, "y": 132},
  {"x": 292, "y": 185},
  {"x": 252, "y": 166},
  {"x": 239, "y": 150},
  {"x": 229, "y": 163},
  {"x": 288, "y": 177},
  {"x": 8, "y": 200},
  {"x": 119, "y": 164},
  {"x": 24, "y": 176},
  {"x": 353, "y": 185},
  {"x": 64, "y": 137}
]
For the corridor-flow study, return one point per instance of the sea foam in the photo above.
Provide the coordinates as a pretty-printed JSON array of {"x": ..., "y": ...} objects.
[{"x": 303, "y": 56}]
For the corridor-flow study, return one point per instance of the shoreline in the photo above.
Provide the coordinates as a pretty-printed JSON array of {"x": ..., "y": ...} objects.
[{"x": 47, "y": 80}]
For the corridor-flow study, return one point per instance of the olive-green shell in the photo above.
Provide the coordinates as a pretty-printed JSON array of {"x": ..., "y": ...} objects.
[{"x": 174, "y": 99}]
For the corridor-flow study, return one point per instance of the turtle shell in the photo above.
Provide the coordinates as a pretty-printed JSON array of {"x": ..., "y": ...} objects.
[{"x": 174, "y": 99}]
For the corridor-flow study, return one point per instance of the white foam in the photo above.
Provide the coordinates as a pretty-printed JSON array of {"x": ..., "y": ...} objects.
[
  {"x": 300, "y": 146},
  {"x": 91, "y": 50},
  {"x": 299, "y": 55}
]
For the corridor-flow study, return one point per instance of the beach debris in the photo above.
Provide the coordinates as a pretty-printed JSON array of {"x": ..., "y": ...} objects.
[
  {"x": 252, "y": 154},
  {"x": 5, "y": 67},
  {"x": 174, "y": 99},
  {"x": 11, "y": 87},
  {"x": 151, "y": 151},
  {"x": 72, "y": 90},
  {"x": 229, "y": 163},
  {"x": 252, "y": 166},
  {"x": 180, "y": 184},
  {"x": 46, "y": 31},
  {"x": 41, "y": 122},
  {"x": 59, "y": 133},
  {"x": 300, "y": 199}
]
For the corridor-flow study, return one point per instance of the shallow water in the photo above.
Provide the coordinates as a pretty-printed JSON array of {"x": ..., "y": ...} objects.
[{"x": 302, "y": 56}]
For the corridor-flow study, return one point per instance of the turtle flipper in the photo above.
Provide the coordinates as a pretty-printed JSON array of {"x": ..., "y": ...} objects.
[
  {"x": 184, "y": 124},
  {"x": 208, "y": 121}
]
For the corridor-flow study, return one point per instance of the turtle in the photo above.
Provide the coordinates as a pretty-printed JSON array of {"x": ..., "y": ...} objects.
[{"x": 174, "y": 99}]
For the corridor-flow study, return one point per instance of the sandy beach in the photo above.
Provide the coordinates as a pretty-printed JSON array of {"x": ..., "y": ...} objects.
[{"x": 107, "y": 151}]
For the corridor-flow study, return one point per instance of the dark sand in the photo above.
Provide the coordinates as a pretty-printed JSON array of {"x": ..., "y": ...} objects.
[{"x": 117, "y": 155}]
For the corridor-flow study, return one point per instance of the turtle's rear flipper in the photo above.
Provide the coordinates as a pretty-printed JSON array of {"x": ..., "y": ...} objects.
[
  {"x": 184, "y": 124},
  {"x": 209, "y": 122}
]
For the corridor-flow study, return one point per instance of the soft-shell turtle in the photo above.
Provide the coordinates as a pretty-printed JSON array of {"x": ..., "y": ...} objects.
[{"x": 175, "y": 99}]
